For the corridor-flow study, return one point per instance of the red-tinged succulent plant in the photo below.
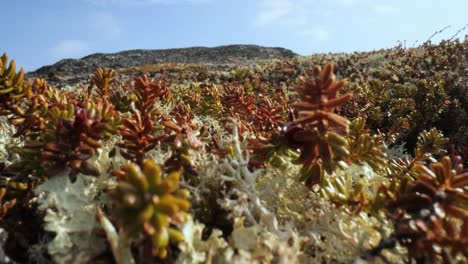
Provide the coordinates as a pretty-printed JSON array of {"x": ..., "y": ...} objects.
[
  {"x": 441, "y": 188},
  {"x": 103, "y": 79},
  {"x": 182, "y": 141},
  {"x": 236, "y": 100},
  {"x": 139, "y": 129},
  {"x": 269, "y": 116},
  {"x": 430, "y": 215},
  {"x": 28, "y": 119},
  {"x": 148, "y": 93},
  {"x": 138, "y": 135},
  {"x": 317, "y": 131},
  {"x": 254, "y": 114},
  {"x": 265, "y": 145},
  {"x": 31, "y": 162},
  {"x": 75, "y": 139}
]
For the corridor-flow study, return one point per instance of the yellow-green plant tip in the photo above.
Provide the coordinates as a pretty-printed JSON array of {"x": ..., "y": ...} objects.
[
  {"x": 171, "y": 183},
  {"x": 162, "y": 253},
  {"x": 4, "y": 60},
  {"x": 136, "y": 177},
  {"x": 161, "y": 238},
  {"x": 186, "y": 159},
  {"x": 182, "y": 204},
  {"x": 168, "y": 209},
  {"x": 340, "y": 185},
  {"x": 11, "y": 69},
  {"x": 18, "y": 185},
  {"x": 183, "y": 193},
  {"x": 146, "y": 213},
  {"x": 340, "y": 198},
  {"x": 340, "y": 150},
  {"x": 380, "y": 160},
  {"x": 174, "y": 176},
  {"x": 277, "y": 161},
  {"x": 164, "y": 188},
  {"x": 160, "y": 221},
  {"x": 6, "y": 90},
  {"x": 169, "y": 200},
  {"x": 175, "y": 235},
  {"x": 153, "y": 173},
  {"x": 373, "y": 164},
  {"x": 18, "y": 80},
  {"x": 230, "y": 150},
  {"x": 335, "y": 139},
  {"x": 329, "y": 191}
]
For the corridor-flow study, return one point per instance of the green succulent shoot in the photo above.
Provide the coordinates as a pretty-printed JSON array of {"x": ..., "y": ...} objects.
[
  {"x": 365, "y": 147},
  {"x": 12, "y": 85},
  {"x": 151, "y": 204}
]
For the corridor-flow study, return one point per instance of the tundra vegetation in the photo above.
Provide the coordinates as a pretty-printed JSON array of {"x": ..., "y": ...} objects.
[{"x": 332, "y": 158}]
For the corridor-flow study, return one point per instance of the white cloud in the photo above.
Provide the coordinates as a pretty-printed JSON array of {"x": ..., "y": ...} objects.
[
  {"x": 70, "y": 48},
  {"x": 305, "y": 17},
  {"x": 294, "y": 15}
]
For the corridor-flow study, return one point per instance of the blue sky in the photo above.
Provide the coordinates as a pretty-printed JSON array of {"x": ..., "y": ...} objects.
[{"x": 40, "y": 32}]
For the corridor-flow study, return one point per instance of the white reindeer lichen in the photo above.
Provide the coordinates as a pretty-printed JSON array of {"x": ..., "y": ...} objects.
[
  {"x": 236, "y": 170},
  {"x": 69, "y": 213}
]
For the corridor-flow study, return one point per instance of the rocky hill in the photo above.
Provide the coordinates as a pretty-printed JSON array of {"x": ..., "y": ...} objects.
[{"x": 222, "y": 55}]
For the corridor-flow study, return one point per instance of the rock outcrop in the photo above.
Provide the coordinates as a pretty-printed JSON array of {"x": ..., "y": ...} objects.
[{"x": 231, "y": 54}]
